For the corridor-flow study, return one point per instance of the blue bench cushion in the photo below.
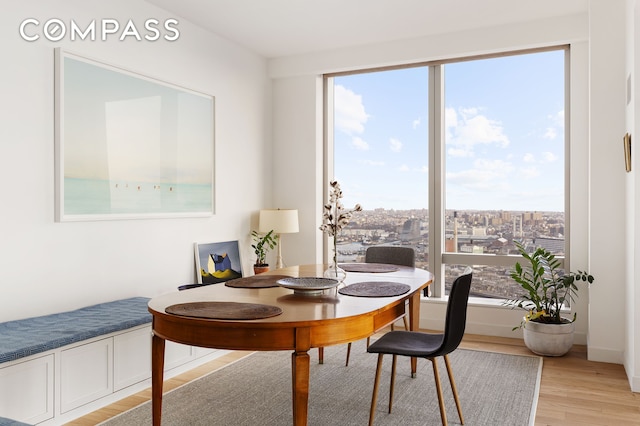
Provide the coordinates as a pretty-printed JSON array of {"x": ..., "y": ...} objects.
[
  {"x": 30, "y": 336},
  {"x": 8, "y": 422}
]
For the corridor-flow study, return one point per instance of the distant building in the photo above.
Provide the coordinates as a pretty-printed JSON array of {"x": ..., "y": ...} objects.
[
  {"x": 410, "y": 230},
  {"x": 474, "y": 249},
  {"x": 554, "y": 245},
  {"x": 477, "y": 231}
]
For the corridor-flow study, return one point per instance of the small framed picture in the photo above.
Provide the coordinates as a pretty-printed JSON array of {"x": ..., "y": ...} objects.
[
  {"x": 218, "y": 262},
  {"x": 627, "y": 152}
]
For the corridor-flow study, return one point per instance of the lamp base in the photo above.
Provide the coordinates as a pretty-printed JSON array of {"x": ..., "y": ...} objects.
[{"x": 279, "y": 262}]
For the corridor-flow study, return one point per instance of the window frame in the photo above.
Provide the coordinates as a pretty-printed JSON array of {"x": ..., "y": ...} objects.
[{"x": 438, "y": 258}]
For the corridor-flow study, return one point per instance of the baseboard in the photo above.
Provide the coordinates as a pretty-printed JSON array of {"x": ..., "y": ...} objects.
[
  {"x": 605, "y": 355},
  {"x": 634, "y": 382},
  {"x": 483, "y": 319},
  {"x": 634, "y": 379}
]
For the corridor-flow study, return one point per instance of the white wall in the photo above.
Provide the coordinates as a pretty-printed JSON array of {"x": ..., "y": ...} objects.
[
  {"x": 632, "y": 318},
  {"x": 298, "y": 162},
  {"x": 47, "y": 266},
  {"x": 607, "y": 90},
  {"x": 597, "y": 213}
]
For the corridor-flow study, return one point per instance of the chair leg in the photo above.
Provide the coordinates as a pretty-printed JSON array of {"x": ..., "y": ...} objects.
[
  {"x": 454, "y": 389},
  {"x": 443, "y": 413},
  {"x": 348, "y": 354},
  {"x": 320, "y": 355},
  {"x": 406, "y": 323},
  {"x": 374, "y": 396},
  {"x": 393, "y": 380}
]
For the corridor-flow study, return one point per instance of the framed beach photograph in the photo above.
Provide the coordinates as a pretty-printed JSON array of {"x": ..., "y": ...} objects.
[
  {"x": 218, "y": 262},
  {"x": 129, "y": 146}
]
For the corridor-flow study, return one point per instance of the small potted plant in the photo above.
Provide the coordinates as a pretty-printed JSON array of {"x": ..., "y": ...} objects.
[
  {"x": 261, "y": 246},
  {"x": 546, "y": 290}
]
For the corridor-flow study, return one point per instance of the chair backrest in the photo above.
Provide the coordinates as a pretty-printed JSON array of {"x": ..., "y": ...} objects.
[
  {"x": 404, "y": 256},
  {"x": 456, "y": 318}
]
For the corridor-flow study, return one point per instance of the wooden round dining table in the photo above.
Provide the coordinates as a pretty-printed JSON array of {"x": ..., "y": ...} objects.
[{"x": 278, "y": 318}]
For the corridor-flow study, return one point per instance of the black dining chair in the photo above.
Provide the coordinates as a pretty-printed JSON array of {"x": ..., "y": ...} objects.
[
  {"x": 395, "y": 255},
  {"x": 427, "y": 345},
  {"x": 392, "y": 255}
]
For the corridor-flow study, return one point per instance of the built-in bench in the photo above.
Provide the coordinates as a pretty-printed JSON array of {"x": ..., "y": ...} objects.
[
  {"x": 55, "y": 368},
  {"x": 30, "y": 336}
]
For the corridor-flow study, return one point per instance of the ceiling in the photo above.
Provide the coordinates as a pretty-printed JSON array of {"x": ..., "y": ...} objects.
[{"x": 276, "y": 28}]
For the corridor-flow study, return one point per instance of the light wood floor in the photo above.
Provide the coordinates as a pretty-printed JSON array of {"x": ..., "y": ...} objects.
[{"x": 573, "y": 391}]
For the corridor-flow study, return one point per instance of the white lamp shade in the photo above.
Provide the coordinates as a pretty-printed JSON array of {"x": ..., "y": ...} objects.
[{"x": 282, "y": 221}]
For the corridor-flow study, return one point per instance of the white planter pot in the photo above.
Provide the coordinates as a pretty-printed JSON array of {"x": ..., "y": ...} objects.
[{"x": 548, "y": 339}]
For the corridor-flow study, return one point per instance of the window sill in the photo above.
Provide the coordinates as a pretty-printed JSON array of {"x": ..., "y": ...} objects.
[{"x": 478, "y": 302}]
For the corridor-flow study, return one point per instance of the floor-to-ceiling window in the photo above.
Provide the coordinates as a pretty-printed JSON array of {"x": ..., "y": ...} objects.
[
  {"x": 457, "y": 159},
  {"x": 381, "y": 133}
]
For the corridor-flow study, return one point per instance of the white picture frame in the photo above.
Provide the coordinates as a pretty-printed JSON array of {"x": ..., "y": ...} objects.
[{"x": 128, "y": 146}]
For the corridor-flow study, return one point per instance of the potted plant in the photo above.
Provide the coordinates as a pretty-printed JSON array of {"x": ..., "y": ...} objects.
[
  {"x": 261, "y": 246},
  {"x": 546, "y": 289}
]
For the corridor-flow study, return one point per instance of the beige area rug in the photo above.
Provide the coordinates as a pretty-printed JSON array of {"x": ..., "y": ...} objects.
[{"x": 494, "y": 389}]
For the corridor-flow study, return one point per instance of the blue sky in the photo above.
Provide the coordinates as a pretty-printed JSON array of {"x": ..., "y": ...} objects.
[{"x": 504, "y": 120}]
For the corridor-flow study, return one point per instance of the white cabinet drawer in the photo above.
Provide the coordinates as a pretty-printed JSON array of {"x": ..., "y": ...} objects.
[
  {"x": 86, "y": 373},
  {"x": 131, "y": 358},
  {"x": 26, "y": 390}
]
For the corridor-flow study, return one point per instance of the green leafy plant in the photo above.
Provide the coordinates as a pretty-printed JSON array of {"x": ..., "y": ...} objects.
[
  {"x": 261, "y": 246},
  {"x": 546, "y": 287}
]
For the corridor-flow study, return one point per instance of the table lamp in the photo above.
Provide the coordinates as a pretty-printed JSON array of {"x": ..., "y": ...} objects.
[{"x": 281, "y": 221}]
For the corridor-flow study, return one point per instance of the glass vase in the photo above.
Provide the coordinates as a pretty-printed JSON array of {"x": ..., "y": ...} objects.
[{"x": 335, "y": 272}]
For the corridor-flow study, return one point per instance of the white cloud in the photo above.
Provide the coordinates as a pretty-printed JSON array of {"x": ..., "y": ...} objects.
[
  {"x": 479, "y": 129},
  {"x": 529, "y": 172},
  {"x": 404, "y": 168},
  {"x": 550, "y": 134},
  {"x": 372, "y": 163},
  {"x": 450, "y": 117},
  {"x": 359, "y": 144},
  {"x": 469, "y": 112},
  {"x": 459, "y": 152},
  {"x": 395, "y": 145},
  {"x": 556, "y": 126},
  {"x": 467, "y": 128},
  {"x": 501, "y": 167},
  {"x": 547, "y": 157},
  {"x": 557, "y": 119},
  {"x": 486, "y": 175},
  {"x": 415, "y": 123},
  {"x": 350, "y": 114}
]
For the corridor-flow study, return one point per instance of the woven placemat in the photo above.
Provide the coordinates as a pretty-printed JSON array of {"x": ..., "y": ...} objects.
[
  {"x": 375, "y": 289},
  {"x": 369, "y": 267},
  {"x": 256, "y": 281},
  {"x": 224, "y": 310}
]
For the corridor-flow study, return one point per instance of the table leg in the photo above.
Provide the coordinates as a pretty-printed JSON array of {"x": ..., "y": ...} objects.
[
  {"x": 300, "y": 387},
  {"x": 157, "y": 377},
  {"x": 414, "y": 324}
]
